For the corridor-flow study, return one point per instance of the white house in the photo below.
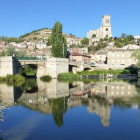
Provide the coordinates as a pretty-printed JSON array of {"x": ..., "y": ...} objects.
[{"x": 136, "y": 38}]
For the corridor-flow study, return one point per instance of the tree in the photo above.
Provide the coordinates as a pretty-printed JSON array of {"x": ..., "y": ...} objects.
[
  {"x": 123, "y": 35},
  {"x": 21, "y": 54},
  {"x": 58, "y": 41},
  {"x": 130, "y": 37},
  {"x": 59, "y": 107},
  {"x": 85, "y": 41},
  {"x": 10, "y": 51}
]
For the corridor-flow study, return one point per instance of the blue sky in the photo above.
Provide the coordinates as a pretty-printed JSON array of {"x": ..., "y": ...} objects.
[{"x": 18, "y": 17}]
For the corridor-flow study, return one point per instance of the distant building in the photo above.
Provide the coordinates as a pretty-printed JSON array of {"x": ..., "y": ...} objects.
[
  {"x": 103, "y": 31},
  {"x": 120, "y": 57},
  {"x": 81, "y": 57},
  {"x": 136, "y": 38},
  {"x": 79, "y": 50}
]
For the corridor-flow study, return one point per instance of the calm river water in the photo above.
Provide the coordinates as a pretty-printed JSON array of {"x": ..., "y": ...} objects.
[{"x": 75, "y": 110}]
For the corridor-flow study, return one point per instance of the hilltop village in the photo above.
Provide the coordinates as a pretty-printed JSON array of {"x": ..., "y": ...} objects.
[{"x": 98, "y": 47}]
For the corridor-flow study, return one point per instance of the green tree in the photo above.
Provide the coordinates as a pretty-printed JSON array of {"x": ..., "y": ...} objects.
[
  {"x": 136, "y": 55},
  {"x": 110, "y": 39},
  {"x": 123, "y": 35},
  {"x": 10, "y": 51},
  {"x": 85, "y": 41},
  {"x": 58, "y": 41},
  {"x": 59, "y": 107},
  {"x": 49, "y": 42},
  {"x": 130, "y": 37},
  {"x": 20, "y": 54}
]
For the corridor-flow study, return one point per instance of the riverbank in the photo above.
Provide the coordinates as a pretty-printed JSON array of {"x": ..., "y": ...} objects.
[{"x": 99, "y": 74}]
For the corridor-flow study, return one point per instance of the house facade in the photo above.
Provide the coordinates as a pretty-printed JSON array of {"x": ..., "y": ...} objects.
[
  {"x": 120, "y": 57},
  {"x": 80, "y": 58}
]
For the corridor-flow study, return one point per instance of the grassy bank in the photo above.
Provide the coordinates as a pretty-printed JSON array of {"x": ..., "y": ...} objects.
[
  {"x": 105, "y": 72},
  {"x": 69, "y": 75},
  {"x": 13, "y": 79}
]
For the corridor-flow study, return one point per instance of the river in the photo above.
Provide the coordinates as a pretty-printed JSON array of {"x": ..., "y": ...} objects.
[{"x": 70, "y": 110}]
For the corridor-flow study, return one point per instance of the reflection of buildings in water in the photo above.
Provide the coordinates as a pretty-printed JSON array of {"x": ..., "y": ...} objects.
[
  {"x": 100, "y": 109},
  {"x": 114, "y": 89},
  {"x": 73, "y": 102}
]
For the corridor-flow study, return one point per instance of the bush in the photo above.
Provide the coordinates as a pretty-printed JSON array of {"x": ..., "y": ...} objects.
[
  {"x": 46, "y": 78},
  {"x": 67, "y": 75}
]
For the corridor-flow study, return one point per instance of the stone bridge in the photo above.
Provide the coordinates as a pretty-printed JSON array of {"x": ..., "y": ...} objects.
[{"x": 50, "y": 66}]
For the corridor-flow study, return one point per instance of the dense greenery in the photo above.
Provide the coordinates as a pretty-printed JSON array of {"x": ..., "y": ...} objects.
[
  {"x": 13, "y": 79},
  {"x": 46, "y": 78},
  {"x": 58, "y": 41},
  {"x": 27, "y": 70},
  {"x": 100, "y": 45},
  {"x": 105, "y": 72},
  {"x": 11, "y": 39},
  {"x": 136, "y": 55},
  {"x": 123, "y": 40},
  {"x": 85, "y": 41},
  {"x": 59, "y": 107},
  {"x": 67, "y": 75}
]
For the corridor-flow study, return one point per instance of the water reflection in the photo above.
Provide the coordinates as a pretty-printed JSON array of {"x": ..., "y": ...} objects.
[{"x": 56, "y": 97}]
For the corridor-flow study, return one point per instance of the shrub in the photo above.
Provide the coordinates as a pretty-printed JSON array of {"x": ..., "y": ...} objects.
[{"x": 46, "y": 78}]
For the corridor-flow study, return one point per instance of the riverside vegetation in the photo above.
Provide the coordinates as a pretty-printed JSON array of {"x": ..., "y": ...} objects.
[{"x": 78, "y": 75}]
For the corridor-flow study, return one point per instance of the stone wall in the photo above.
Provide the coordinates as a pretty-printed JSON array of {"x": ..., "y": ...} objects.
[{"x": 6, "y": 65}]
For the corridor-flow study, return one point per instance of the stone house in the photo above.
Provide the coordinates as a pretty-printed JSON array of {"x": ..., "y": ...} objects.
[
  {"x": 120, "y": 57},
  {"x": 80, "y": 57}
]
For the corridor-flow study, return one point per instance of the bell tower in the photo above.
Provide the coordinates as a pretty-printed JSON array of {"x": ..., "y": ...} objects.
[{"x": 106, "y": 26}]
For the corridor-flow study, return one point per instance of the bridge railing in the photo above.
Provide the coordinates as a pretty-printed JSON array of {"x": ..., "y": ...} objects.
[{"x": 30, "y": 58}]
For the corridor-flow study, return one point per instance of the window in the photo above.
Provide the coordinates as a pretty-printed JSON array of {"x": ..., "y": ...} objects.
[
  {"x": 123, "y": 60},
  {"x": 106, "y": 35},
  {"x": 117, "y": 92},
  {"x": 118, "y": 60},
  {"x": 122, "y": 55},
  {"x": 106, "y": 29},
  {"x": 117, "y": 87},
  {"x": 112, "y": 92},
  {"x": 113, "y": 60},
  {"x": 112, "y": 55},
  {"x": 112, "y": 87},
  {"x": 122, "y": 92},
  {"x": 129, "y": 60},
  {"x": 118, "y": 55},
  {"x": 107, "y": 20}
]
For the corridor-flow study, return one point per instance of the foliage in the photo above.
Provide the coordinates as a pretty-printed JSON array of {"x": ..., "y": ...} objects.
[
  {"x": 11, "y": 50},
  {"x": 67, "y": 75},
  {"x": 49, "y": 42},
  {"x": 93, "y": 35},
  {"x": 118, "y": 44},
  {"x": 85, "y": 41},
  {"x": 100, "y": 45},
  {"x": 11, "y": 39},
  {"x": 13, "y": 79},
  {"x": 27, "y": 70},
  {"x": 136, "y": 55},
  {"x": 46, "y": 78},
  {"x": 105, "y": 72},
  {"x": 59, "y": 107},
  {"x": 58, "y": 41}
]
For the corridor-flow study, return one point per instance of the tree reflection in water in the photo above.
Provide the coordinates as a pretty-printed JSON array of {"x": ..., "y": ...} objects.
[{"x": 59, "y": 108}]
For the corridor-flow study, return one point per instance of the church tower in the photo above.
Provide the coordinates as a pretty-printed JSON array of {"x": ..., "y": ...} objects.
[{"x": 105, "y": 30}]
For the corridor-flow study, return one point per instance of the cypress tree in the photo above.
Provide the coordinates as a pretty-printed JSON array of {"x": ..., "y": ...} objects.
[{"x": 57, "y": 41}]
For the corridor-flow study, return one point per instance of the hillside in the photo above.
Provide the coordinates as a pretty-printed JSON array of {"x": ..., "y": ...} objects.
[{"x": 40, "y": 34}]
